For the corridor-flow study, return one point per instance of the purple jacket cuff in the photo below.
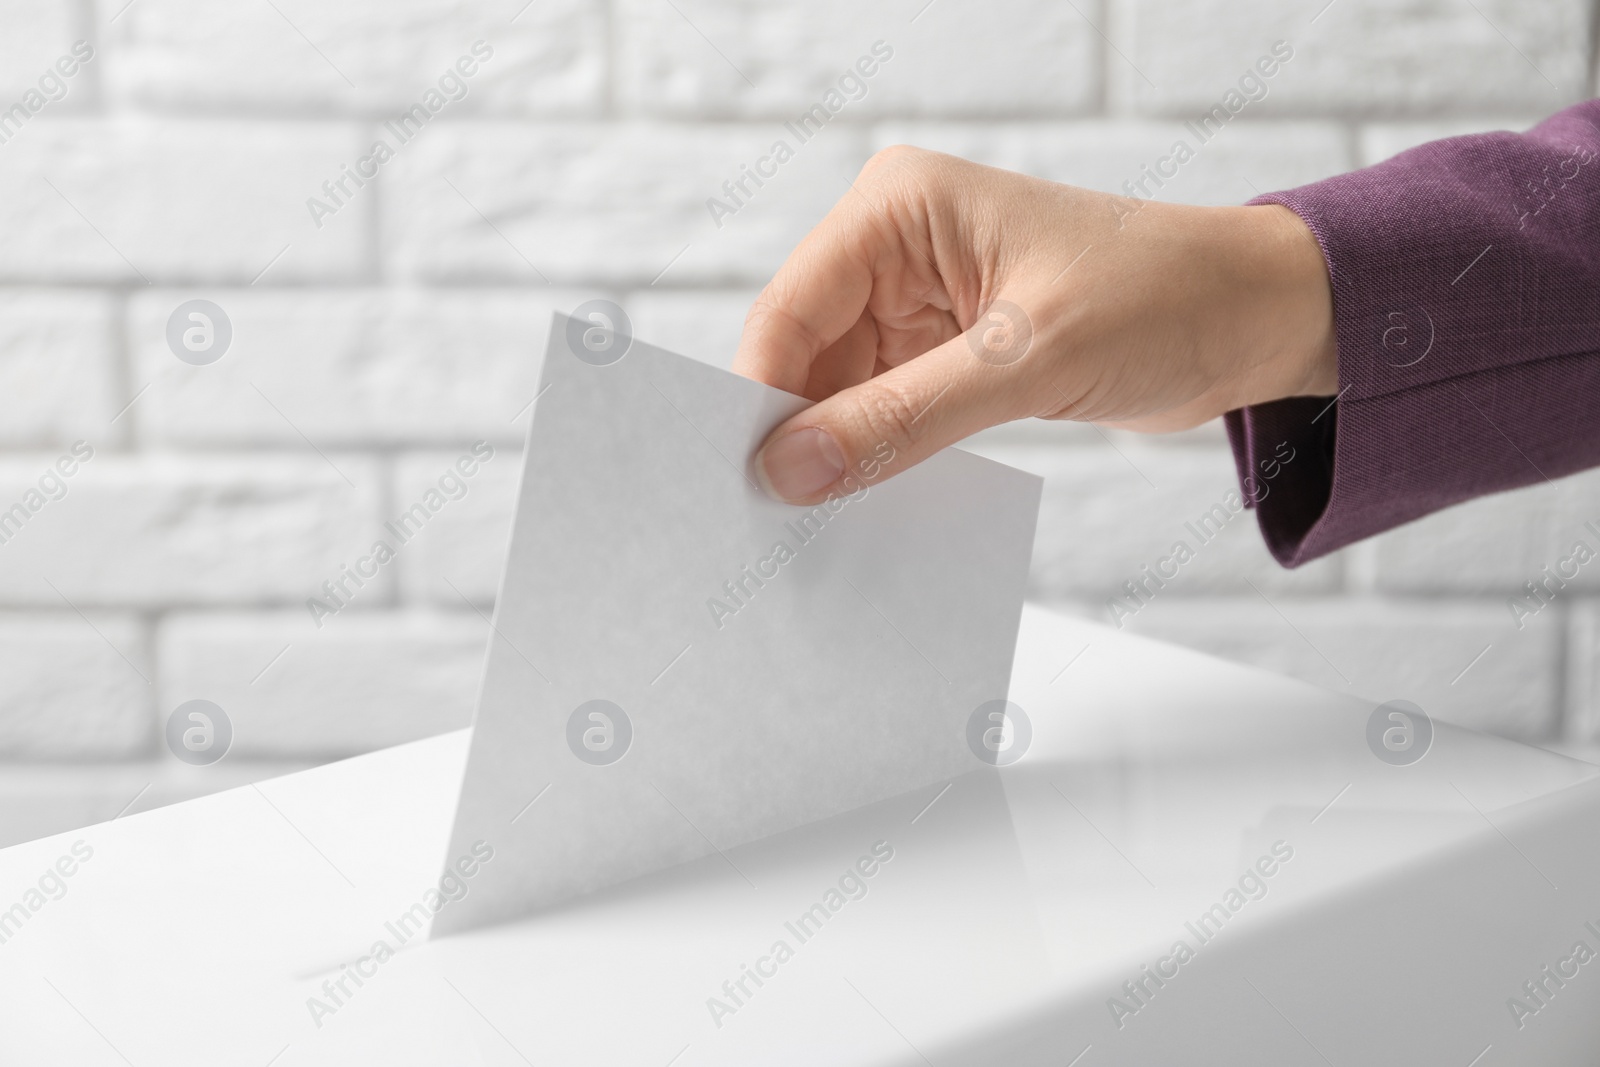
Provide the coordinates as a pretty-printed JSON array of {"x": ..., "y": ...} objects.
[{"x": 1466, "y": 297}]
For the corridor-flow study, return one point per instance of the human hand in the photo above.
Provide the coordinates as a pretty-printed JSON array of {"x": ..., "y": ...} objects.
[{"x": 940, "y": 297}]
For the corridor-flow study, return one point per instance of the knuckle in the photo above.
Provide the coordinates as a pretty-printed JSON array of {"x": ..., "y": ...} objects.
[
  {"x": 888, "y": 415},
  {"x": 771, "y": 318},
  {"x": 895, "y": 157},
  {"x": 761, "y": 314}
]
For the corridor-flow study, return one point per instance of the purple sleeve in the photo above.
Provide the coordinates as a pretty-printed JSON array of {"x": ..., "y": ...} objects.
[{"x": 1466, "y": 303}]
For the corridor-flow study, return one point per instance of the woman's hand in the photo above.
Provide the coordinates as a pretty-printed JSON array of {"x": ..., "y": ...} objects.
[{"x": 941, "y": 297}]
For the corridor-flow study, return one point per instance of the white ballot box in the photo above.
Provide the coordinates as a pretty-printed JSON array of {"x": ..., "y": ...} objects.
[{"x": 1190, "y": 863}]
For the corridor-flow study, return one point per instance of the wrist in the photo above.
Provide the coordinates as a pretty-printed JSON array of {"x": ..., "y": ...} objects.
[{"x": 1287, "y": 345}]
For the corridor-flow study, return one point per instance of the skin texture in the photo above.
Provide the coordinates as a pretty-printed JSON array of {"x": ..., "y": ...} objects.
[{"x": 940, "y": 297}]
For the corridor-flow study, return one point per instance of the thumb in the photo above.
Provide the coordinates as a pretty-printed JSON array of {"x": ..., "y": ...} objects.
[{"x": 894, "y": 421}]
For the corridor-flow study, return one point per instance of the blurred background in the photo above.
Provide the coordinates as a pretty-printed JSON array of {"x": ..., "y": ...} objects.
[{"x": 374, "y": 327}]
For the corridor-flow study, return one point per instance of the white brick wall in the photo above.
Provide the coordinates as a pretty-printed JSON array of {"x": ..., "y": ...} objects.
[
  {"x": 1354, "y": 57},
  {"x": 1109, "y": 511},
  {"x": 362, "y": 56},
  {"x": 1104, "y": 155},
  {"x": 132, "y": 199},
  {"x": 161, "y": 529},
  {"x": 74, "y": 687},
  {"x": 35, "y": 34},
  {"x": 364, "y": 680},
  {"x": 1384, "y": 649},
  {"x": 71, "y": 394},
  {"x": 710, "y": 58},
  {"x": 614, "y": 204},
  {"x": 1583, "y": 677},
  {"x": 454, "y": 562},
  {"x": 344, "y": 367},
  {"x": 372, "y": 350}
]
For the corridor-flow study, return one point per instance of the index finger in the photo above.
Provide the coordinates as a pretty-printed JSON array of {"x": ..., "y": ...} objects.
[{"x": 816, "y": 296}]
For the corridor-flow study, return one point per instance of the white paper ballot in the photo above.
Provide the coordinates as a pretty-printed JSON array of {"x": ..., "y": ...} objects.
[{"x": 680, "y": 664}]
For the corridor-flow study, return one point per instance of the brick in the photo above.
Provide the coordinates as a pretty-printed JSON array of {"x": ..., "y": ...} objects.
[
  {"x": 346, "y": 367},
  {"x": 39, "y": 801},
  {"x": 1386, "y": 650},
  {"x": 1106, "y": 514},
  {"x": 1229, "y": 168},
  {"x": 701, "y": 58},
  {"x": 73, "y": 686},
  {"x": 1365, "y": 57},
  {"x": 1376, "y": 142},
  {"x": 363, "y": 681},
  {"x": 56, "y": 380},
  {"x": 547, "y": 58},
  {"x": 157, "y": 530},
  {"x": 1495, "y": 544},
  {"x": 36, "y": 36},
  {"x": 131, "y": 200},
  {"x": 703, "y": 325},
  {"x": 604, "y": 204},
  {"x": 461, "y": 552}
]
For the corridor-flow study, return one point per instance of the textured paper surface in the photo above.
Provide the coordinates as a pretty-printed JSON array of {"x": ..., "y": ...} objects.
[{"x": 840, "y": 669}]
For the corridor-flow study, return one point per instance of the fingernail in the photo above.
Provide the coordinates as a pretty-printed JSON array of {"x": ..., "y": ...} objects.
[{"x": 799, "y": 464}]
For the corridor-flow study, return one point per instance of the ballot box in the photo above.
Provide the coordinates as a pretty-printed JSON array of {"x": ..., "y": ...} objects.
[{"x": 1157, "y": 858}]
